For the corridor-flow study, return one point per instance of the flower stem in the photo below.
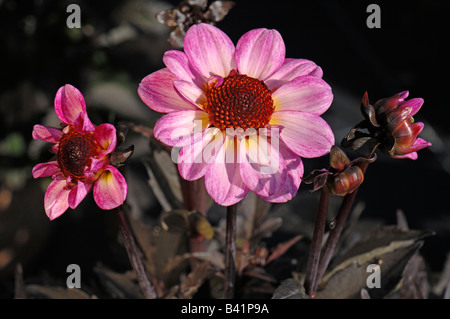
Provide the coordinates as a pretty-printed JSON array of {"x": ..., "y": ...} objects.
[
  {"x": 194, "y": 198},
  {"x": 194, "y": 195},
  {"x": 230, "y": 253},
  {"x": 335, "y": 233},
  {"x": 316, "y": 243},
  {"x": 135, "y": 255}
]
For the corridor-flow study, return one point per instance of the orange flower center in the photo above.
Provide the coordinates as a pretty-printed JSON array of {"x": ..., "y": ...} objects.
[
  {"x": 239, "y": 102},
  {"x": 75, "y": 153}
]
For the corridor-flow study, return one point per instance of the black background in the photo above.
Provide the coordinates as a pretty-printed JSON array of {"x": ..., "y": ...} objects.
[{"x": 408, "y": 52}]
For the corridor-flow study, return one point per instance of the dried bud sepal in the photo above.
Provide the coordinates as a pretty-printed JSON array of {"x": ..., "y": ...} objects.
[{"x": 120, "y": 154}]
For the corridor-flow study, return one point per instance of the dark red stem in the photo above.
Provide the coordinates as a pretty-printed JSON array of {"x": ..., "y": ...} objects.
[
  {"x": 316, "y": 243},
  {"x": 135, "y": 255},
  {"x": 335, "y": 233},
  {"x": 230, "y": 253}
]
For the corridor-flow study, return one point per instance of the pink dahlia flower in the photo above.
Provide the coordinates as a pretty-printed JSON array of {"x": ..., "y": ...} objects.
[
  {"x": 242, "y": 116},
  {"x": 82, "y": 158}
]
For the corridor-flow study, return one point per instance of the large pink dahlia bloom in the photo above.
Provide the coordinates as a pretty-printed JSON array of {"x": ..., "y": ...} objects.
[
  {"x": 82, "y": 158},
  {"x": 242, "y": 116}
]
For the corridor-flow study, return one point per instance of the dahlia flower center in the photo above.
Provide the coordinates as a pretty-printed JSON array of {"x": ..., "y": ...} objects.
[
  {"x": 239, "y": 101},
  {"x": 75, "y": 153}
]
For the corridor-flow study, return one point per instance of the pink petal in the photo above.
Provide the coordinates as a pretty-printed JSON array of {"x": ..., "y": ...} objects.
[
  {"x": 54, "y": 148},
  {"x": 415, "y": 104},
  {"x": 82, "y": 124},
  {"x": 262, "y": 168},
  {"x": 157, "y": 92},
  {"x": 408, "y": 152},
  {"x": 190, "y": 92},
  {"x": 194, "y": 158},
  {"x": 259, "y": 53},
  {"x": 223, "y": 180},
  {"x": 56, "y": 199},
  {"x": 295, "y": 170},
  {"x": 177, "y": 62},
  {"x": 306, "y": 93},
  {"x": 110, "y": 190},
  {"x": 46, "y": 169},
  {"x": 93, "y": 172},
  {"x": 176, "y": 128},
  {"x": 291, "y": 69},
  {"x": 209, "y": 50},
  {"x": 306, "y": 134},
  {"x": 78, "y": 193},
  {"x": 47, "y": 134},
  {"x": 69, "y": 102},
  {"x": 421, "y": 143},
  {"x": 105, "y": 135},
  {"x": 390, "y": 103},
  {"x": 412, "y": 156}
]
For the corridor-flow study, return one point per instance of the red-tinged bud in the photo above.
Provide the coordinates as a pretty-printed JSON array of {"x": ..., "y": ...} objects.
[
  {"x": 346, "y": 182},
  {"x": 342, "y": 178},
  {"x": 390, "y": 127}
]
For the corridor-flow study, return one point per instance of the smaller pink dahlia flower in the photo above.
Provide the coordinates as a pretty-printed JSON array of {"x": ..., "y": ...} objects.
[
  {"x": 82, "y": 158},
  {"x": 242, "y": 115}
]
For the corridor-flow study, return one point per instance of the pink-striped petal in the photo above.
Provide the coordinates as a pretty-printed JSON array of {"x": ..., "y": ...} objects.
[
  {"x": 47, "y": 134},
  {"x": 178, "y": 63},
  {"x": 415, "y": 104},
  {"x": 176, "y": 128},
  {"x": 262, "y": 167},
  {"x": 306, "y": 134},
  {"x": 190, "y": 92},
  {"x": 45, "y": 169},
  {"x": 110, "y": 190},
  {"x": 157, "y": 92},
  {"x": 420, "y": 143},
  {"x": 56, "y": 199},
  {"x": 260, "y": 53},
  {"x": 407, "y": 152},
  {"x": 105, "y": 136},
  {"x": 194, "y": 159},
  {"x": 78, "y": 193},
  {"x": 306, "y": 93},
  {"x": 295, "y": 170},
  {"x": 82, "y": 124},
  {"x": 223, "y": 180},
  {"x": 209, "y": 50},
  {"x": 291, "y": 69},
  {"x": 69, "y": 102}
]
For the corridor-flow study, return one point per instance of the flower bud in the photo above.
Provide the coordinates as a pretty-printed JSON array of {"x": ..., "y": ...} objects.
[
  {"x": 346, "y": 182},
  {"x": 390, "y": 127},
  {"x": 342, "y": 178}
]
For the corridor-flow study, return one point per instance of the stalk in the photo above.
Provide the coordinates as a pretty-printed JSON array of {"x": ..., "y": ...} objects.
[
  {"x": 230, "y": 253},
  {"x": 335, "y": 233},
  {"x": 316, "y": 243},
  {"x": 135, "y": 255}
]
